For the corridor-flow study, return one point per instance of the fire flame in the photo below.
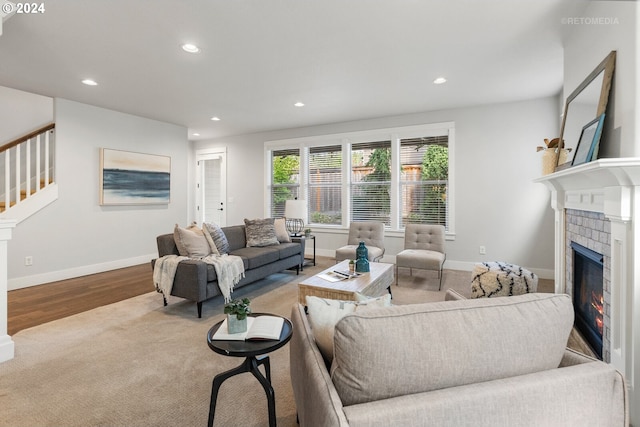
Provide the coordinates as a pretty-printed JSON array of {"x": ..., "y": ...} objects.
[{"x": 597, "y": 303}]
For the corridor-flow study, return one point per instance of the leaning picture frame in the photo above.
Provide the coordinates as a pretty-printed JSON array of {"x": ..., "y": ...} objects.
[
  {"x": 589, "y": 141},
  {"x": 129, "y": 178}
]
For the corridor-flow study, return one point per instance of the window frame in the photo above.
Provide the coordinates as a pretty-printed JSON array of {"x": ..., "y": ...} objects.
[
  {"x": 352, "y": 184},
  {"x": 297, "y": 186},
  {"x": 346, "y": 139}
]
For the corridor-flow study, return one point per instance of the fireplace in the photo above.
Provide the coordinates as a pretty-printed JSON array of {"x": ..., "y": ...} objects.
[
  {"x": 588, "y": 295},
  {"x": 597, "y": 204}
]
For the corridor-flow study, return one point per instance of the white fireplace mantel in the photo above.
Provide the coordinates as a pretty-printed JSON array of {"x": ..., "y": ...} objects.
[
  {"x": 610, "y": 187},
  {"x": 605, "y": 186},
  {"x": 598, "y": 174}
]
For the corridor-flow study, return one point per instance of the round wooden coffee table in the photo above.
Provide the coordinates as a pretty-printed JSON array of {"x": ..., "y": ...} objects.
[{"x": 255, "y": 353}]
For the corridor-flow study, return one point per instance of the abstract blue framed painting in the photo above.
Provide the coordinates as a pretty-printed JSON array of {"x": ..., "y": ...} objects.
[{"x": 128, "y": 178}]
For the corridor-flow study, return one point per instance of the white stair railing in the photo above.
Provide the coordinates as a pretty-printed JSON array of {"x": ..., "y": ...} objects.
[{"x": 26, "y": 173}]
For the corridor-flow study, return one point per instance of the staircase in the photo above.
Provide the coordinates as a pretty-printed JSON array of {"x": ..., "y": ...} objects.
[{"x": 27, "y": 180}]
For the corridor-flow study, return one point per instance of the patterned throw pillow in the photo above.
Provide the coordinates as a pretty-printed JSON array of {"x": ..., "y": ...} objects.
[
  {"x": 212, "y": 244},
  {"x": 191, "y": 241},
  {"x": 218, "y": 237},
  {"x": 260, "y": 232}
]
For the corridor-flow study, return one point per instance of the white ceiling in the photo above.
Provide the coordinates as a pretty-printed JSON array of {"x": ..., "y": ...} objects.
[{"x": 345, "y": 59}]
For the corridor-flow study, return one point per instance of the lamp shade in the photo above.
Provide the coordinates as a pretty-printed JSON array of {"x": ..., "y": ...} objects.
[
  {"x": 296, "y": 209},
  {"x": 295, "y": 212}
]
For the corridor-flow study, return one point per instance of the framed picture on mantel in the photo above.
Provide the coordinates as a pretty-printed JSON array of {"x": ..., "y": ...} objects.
[
  {"x": 588, "y": 142},
  {"x": 128, "y": 178}
]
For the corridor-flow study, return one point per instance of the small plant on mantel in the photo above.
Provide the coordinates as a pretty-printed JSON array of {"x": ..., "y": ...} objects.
[{"x": 241, "y": 308}]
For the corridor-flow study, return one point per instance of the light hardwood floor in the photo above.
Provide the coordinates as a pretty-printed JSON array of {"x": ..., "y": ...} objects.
[{"x": 35, "y": 305}]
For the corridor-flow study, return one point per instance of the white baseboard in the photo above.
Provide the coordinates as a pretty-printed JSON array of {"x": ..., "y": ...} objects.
[{"x": 54, "y": 276}]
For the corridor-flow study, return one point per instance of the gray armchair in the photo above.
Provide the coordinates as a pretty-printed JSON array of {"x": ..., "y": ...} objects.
[
  {"x": 423, "y": 249},
  {"x": 369, "y": 232}
]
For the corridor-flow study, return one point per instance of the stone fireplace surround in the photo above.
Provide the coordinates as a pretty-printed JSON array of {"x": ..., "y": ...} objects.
[{"x": 607, "y": 190}]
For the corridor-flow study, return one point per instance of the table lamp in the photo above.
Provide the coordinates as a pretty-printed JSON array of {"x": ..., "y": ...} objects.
[{"x": 295, "y": 212}]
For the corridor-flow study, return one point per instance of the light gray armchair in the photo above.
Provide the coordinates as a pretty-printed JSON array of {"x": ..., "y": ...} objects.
[
  {"x": 423, "y": 249},
  {"x": 369, "y": 232}
]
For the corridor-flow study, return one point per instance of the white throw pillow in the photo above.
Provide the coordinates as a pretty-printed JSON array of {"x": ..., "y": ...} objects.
[
  {"x": 191, "y": 241},
  {"x": 325, "y": 313},
  {"x": 323, "y": 316},
  {"x": 382, "y": 301},
  {"x": 281, "y": 230}
]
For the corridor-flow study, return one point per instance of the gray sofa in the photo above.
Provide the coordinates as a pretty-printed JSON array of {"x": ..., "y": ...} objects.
[
  {"x": 481, "y": 362},
  {"x": 197, "y": 281}
]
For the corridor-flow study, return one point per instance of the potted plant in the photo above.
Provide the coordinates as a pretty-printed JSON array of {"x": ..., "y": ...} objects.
[
  {"x": 307, "y": 232},
  {"x": 237, "y": 312}
]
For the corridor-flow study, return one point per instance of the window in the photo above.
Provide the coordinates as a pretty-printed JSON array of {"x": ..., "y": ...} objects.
[
  {"x": 397, "y": 176},
  {"x": 285, "y": 179},
  {"x": 371, "y": 182},
  {"x": 325, "y": 185},
  {"x": 424, "y": 178}
]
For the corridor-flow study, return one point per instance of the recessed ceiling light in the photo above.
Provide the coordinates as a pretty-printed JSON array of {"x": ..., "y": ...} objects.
[
  {"x": 299, "y": 104},
  {"x": 215, "y": 119},
  {"x": 440, "y": 80},
  {"x": 195, "y": 134},
  {"x": 190, "y": 48},
  {"x": 90, "y": 82}
]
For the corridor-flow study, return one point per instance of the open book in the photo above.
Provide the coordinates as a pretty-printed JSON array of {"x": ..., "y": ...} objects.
[
  {"x": 258, "y": 328},
  {"x": 337, "y": 275}
]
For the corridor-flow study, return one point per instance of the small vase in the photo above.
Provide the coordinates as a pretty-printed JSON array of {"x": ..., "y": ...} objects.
[
  {"x": 362, "y": 251},
  {"x": 236, "y": 326},
  {"x": 362, "y": 255}
]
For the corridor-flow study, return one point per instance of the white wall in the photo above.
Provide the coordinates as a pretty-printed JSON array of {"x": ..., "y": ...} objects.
[
  {"x": 585, "y": 47},
  {"x": 75, "y": 236},
  {"x": 607, "y": 26},
  {"x": 22, "y": 112},
  {"x": 497, "y": 204}
]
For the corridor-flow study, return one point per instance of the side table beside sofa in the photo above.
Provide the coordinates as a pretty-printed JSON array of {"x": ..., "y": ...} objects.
[{"x": 479, "y": 362}]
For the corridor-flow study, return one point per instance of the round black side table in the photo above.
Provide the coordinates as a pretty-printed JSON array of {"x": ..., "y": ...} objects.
[{"x": 255, "y": 355}]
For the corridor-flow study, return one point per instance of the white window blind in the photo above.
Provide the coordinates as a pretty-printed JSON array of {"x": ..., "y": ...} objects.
[
  {"x": 285, "y": 179},
  {"x": 371, "y": 181},
  {"x": 424, "y": 180},
  {"x": 325, "y": 185},
  {"x": 396, "y": 176}
]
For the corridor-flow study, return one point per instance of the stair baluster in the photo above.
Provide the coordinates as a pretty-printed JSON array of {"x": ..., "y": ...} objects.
[{"x": 26, "y": 170}]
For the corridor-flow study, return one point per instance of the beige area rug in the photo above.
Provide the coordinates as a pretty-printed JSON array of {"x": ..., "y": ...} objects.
[{"x": 137, "y": 363}]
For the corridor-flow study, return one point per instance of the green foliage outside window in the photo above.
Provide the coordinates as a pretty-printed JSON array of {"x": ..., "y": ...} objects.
[
  {"x": 324, "y": 218},
  {"x": 372, "y": 198},
  {"x": 380, "y": 161},
  {"x": 435, "y": 168},
  {"x": 435, "y": 163},
  {"x": 284, "y": 168}
]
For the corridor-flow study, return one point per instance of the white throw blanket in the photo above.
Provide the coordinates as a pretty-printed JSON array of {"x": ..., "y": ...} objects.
[
  {"x": 164, "y": 272},
  {"x": 229, "y": 269}
]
